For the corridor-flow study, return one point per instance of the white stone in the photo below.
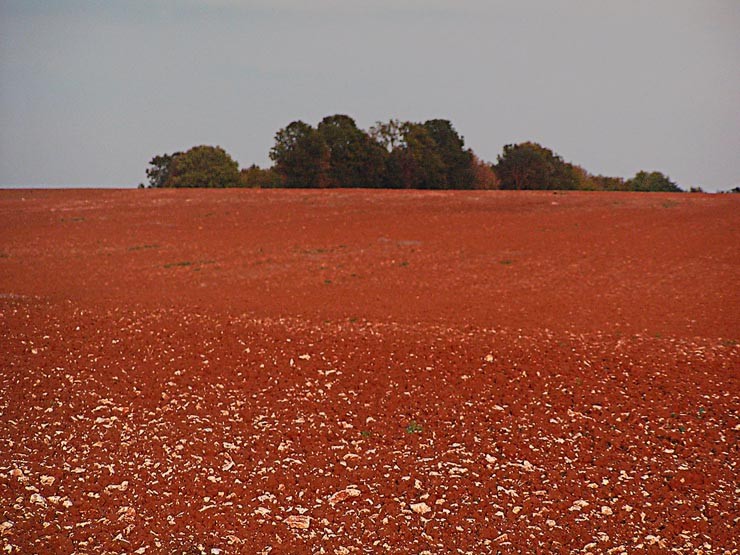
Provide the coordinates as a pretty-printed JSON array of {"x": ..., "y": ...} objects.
[{"x": 420, "y": 508}]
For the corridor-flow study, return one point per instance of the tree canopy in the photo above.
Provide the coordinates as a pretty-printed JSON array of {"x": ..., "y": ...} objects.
[
  {"x": 201, "y": 166},
  {"x": 652, "y": 181},
  {"x": 301, "y": 156},
  {"x": 337, "y": 153},
  {"x": 392, "y": 154},
  {"x": 532, "y": 166},
  {"x": 256, "y": 177},
  {"x": 459, "y": 171},
  {"x": 161, "y": 168},
  {"x": 355, "y": 159}
]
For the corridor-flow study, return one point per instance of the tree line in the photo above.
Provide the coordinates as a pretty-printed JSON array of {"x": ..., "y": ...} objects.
[{"x": 394, "y": 154}]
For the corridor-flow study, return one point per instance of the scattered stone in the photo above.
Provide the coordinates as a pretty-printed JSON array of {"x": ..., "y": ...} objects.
[
  {"x": 127, "y": 514},
  {"x": 300, "y": 522},
  {"x": 578, "y": 505},
  {"x": 123, "y": 486},
  {"x": 420, "y": 508},
  {"x": 341, "y": 495},
  {"x": 38, "y": 499}
]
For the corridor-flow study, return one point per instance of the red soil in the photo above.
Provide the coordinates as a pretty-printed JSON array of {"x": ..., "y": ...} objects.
[{"x": 368, "y": 371}]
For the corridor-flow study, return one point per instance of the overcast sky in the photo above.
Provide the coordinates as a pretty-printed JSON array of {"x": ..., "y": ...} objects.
[{"x": 91, "y": 90}]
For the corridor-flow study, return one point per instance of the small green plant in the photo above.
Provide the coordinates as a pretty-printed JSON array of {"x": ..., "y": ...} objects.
[
  {"x": 404, "y": 263},
  {"x": 506, "y": 262},
  {"x": 414, "y": 428},
  {"x": 700, "y": 412},
  {"x": 366, "y": 433},
  {"x": 327, "y": 282}
]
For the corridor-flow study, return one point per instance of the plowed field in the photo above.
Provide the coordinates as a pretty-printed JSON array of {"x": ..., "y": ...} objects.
[{"x": 291, "y": 371}]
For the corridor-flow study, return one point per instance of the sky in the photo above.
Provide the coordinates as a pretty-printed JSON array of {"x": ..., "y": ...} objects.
[{"x": 90, "y": 91}]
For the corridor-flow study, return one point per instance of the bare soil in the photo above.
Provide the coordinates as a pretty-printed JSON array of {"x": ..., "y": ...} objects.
[{"x": 295, "y": 371}]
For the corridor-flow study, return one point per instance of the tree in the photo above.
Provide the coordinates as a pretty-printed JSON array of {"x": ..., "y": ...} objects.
[
  {"x": 531, "y": 166},
  {"x": 565, "y": 175},
  {"x": 483, "y": 175},
  {"x": 203, "y": 166},
  {"x": 301, "y": 156},
  {"x": 389, "y": 135},
  {"x": 450, "y": 147},
  {"x": 606, "y": 183},
  {"x": 161, "y": 169},
  {"x": 652, "y": 181},
  {"x": 355, "y": 159},
  {"x": 256, "y": 177},
  {"x": 522, "y": 166},
  {"x": 416, "y": 163}
]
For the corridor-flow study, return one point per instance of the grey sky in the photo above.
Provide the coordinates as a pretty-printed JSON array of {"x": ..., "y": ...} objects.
[{"x": 90, "y": 91}]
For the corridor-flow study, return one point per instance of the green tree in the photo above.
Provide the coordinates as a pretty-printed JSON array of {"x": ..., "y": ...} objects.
[
  {"x": 301, "y": 156},
  {"x": 450, "y": 146},
  {"x": 606, "y": 183},
  {"x": 565, "y": 175},
  {"x": 531, "y": 166},
  {"x": 389, "y": 135},
  {"x": 355, "y": 159},
  {"x": 522, "y": 166},
  {"x": 203, "y": 166},
  {"x": 416, "y": 163},
  {"x": 161, "y": 169},
  {"x": 652, "y": 181},
  {"x": 256, "y": 177}
]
